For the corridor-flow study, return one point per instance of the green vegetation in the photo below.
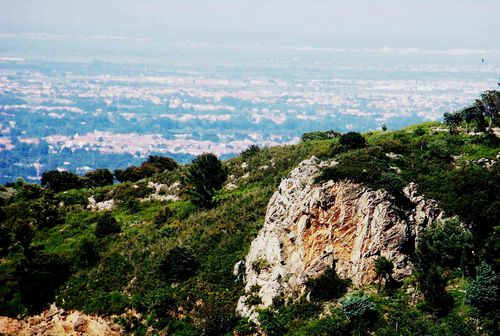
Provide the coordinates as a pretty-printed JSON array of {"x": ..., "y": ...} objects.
[{"x": 172, "y": 260}]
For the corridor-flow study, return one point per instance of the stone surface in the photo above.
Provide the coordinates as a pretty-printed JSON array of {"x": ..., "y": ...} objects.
[
  {"x": 308, "y": 226},
  {"x": 56, "y": 321}
]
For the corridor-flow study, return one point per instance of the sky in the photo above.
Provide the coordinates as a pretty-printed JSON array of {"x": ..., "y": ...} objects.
[{"x": 468, "y": 23}]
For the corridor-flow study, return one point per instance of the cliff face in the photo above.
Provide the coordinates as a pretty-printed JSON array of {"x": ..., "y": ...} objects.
[{"x": 308, "y": 226}]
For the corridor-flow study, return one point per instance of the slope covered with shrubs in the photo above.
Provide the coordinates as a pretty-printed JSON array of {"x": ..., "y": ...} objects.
[{"x": 160, "y": 252}]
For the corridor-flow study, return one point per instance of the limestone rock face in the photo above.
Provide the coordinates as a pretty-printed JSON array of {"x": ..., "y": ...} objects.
[{"x": 308, "y": 226}]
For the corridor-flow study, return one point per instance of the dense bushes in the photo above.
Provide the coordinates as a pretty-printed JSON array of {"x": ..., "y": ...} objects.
[
  {"x": 60, "y": 180},
  {"x": 328, "y": 286},
  {"x": 153, "y": 165},
  {"x": 320, "y": 135},
  {"x": 178, "y": 264},
  {"x": 352, "y": 140}
]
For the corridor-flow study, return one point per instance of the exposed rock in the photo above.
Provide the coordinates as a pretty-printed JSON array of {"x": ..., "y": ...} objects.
[
  {"x": 100, "y": 206},
  {"x": 308, "y": 226},
  {"x": 231, "y": 186},
  {"x": 55, "y": 321},
  {"x": 163, "y": 192}
]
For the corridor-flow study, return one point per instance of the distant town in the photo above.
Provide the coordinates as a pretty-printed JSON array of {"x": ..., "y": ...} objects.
[{"x": 81, "y": 115}]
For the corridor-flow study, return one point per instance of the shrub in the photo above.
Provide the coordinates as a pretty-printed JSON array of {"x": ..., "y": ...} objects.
[
  {"x": 106, "y": 225},
  {"x": 162, "y": 163},
  {"x": 87, "y": 252},
  {"x": 249, "y": 152},
  {"x": 327, "y": 286},
  {"x": 178, "y": 264},
  {"x": 40, "y": 276},
  {"x": 258, "y": 265},
  {"x": 352, "y": 140},
  {"x": 320, "y": 135}
]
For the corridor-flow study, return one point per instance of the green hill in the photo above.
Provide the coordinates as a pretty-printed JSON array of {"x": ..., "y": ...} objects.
[{"x": 160, "y": 254}]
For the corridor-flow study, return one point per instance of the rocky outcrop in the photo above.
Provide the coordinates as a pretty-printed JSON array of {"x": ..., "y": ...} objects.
[
  {"x": 310, "y": 226},
  {"x": 56, "y": 321}
]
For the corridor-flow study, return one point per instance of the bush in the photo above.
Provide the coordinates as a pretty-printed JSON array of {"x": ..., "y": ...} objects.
[
  {"x": 162, "y": 163},
  {"x": 87, "y": 252},
  {"x": 352, "y": 140},
  {"x": 325, "y": 135},
  {"x": 327, "y": 286},
  {"x": 178, "y": 264},
  {"x": 40, "y": 276},
  {"x": 258, "y": 265},
  {"x": 249, "y": 152},
  {"x": 106, "y": 225},
  {"x": 384, "y": 268}
]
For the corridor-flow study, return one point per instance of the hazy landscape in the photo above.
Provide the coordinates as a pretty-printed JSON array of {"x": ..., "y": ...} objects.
[
  {"x": 82, "y": 102},
  {"x": 249, "y": 168}
]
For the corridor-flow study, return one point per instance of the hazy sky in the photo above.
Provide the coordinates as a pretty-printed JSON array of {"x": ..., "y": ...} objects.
[{"x": 462, "y": 20}]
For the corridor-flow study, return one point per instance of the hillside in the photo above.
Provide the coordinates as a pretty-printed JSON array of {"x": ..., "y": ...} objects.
[{"x": 392, "y": 232}]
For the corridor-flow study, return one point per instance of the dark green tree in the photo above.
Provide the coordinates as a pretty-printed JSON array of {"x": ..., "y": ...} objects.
[
  {"x": 482, "y": 293},
  {"x": 162, "y": 163},
  {"x": 384, "y": 269},
  {"x": 204, "y": 177},
  {"x": 98, "y": 178},
  {"x": 60, "y": 180}
]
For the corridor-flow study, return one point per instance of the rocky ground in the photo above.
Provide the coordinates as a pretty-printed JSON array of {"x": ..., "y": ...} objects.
[{"x": 57, "y": 321}]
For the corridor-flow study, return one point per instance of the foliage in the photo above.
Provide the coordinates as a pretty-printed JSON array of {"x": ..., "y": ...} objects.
[
  {"x": 205, "y": 176},
  {"x": 153, "y": 165},
  {"x": 320, "y": 135},
  {"x": 482, "y": 292},
  {"x": 249, "y": 152},
  {"x": 384, "y": 269},
  {"x": 106, "y": 225},
  {"x": 327, "y": 286},
  {"x": 178, "y": 264},
  {"x": 258, "y": 265},
  {"x": 60, "y": 180},
  {"x": 97, "y": 178},
  {"x": 352, "y": 140},
  {"x": 361, "y": 311}
]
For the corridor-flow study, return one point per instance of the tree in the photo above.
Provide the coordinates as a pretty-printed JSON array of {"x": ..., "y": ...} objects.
[
  {"x": 205, "y": 176},
  {"x": 98, "y": 178},
  {"x": 361, "y": 311},
  {"x": 489, "y": 105},
  {"x": 352, "y": 140},
  {"x": 482, "y": 293},
  {"x": 384, "y": 269},
  {"x": 60, "y": 181},
  {"x": 384, "y": 128},
  {"x": 162, "y": 163}
]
